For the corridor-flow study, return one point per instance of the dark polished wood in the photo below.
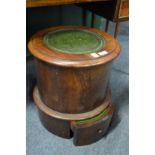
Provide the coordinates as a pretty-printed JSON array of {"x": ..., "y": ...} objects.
[
  {"x": 105, "y": 55},
  {"x": 67, "y": 126},
  {"x": 116, "y": 11},
  {"x": 58, "y": 127},
  {"x": 88, "y": 133},
  {"x": 116, "y": 29},
  {"x": 73, "y": 87},
  {"x": 38, "y": 3},
  {"x": 107, "y": 25},
  {"x": 73, "y": 83},
  {"x": 67, "y": 116},
  {"x": 72, "y": 90}
]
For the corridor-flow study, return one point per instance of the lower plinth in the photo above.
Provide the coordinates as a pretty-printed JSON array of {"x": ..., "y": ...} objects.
[{"x": 85, "y": 128}]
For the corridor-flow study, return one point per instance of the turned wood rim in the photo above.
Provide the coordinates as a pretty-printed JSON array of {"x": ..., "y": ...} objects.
[
  {"x": 65, "y": 116},
  {"x": 39, "y": 50}
]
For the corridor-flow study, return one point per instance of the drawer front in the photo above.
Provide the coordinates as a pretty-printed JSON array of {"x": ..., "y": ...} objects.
[
  {"x": 92, "y": 130},
  {"x": 124, "y": 9}
]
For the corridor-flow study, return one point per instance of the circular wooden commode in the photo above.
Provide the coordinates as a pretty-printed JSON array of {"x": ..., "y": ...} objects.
[{"x": 72, "y": 92}]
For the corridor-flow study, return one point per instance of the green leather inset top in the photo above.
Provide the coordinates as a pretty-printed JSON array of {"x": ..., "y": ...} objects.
[{"x": 74, "y": 41}]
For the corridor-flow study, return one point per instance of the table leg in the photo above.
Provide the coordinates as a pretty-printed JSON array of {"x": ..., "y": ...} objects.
[
  {"x": 107, "y": 25},
  {"x": 116, "y": 29},
  {"x": 93, "y": 20}
]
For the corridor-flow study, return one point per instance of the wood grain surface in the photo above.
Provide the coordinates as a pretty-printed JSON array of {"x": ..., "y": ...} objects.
[
  {"x": 88, "y": 133},
  {"x": 72, "y": 90},
  {"x": 73, "y": 83},
  {"x": 124, "y": 9},
  {"x": 64, "y": 116},
  {"x": 38, "y": 3},
  {"x": 68, "y": 126},
  {"x": 40, "y": 51}
]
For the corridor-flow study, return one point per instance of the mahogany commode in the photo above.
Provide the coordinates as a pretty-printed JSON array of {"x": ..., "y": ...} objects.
[{"x": 72, "y": 93}]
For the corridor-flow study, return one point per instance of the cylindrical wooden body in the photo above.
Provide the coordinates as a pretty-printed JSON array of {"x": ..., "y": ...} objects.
[
  {"x": 73, "y": 67},
  {"x": 72, "y": 90}
]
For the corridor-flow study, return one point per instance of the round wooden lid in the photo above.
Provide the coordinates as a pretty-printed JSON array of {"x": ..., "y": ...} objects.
[{"x": 74, "y": 46}]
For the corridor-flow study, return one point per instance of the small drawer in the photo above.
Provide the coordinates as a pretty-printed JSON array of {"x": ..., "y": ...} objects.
[
  {"x": 124, "y": 9},
  {"x": 91, "y": 130}
]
